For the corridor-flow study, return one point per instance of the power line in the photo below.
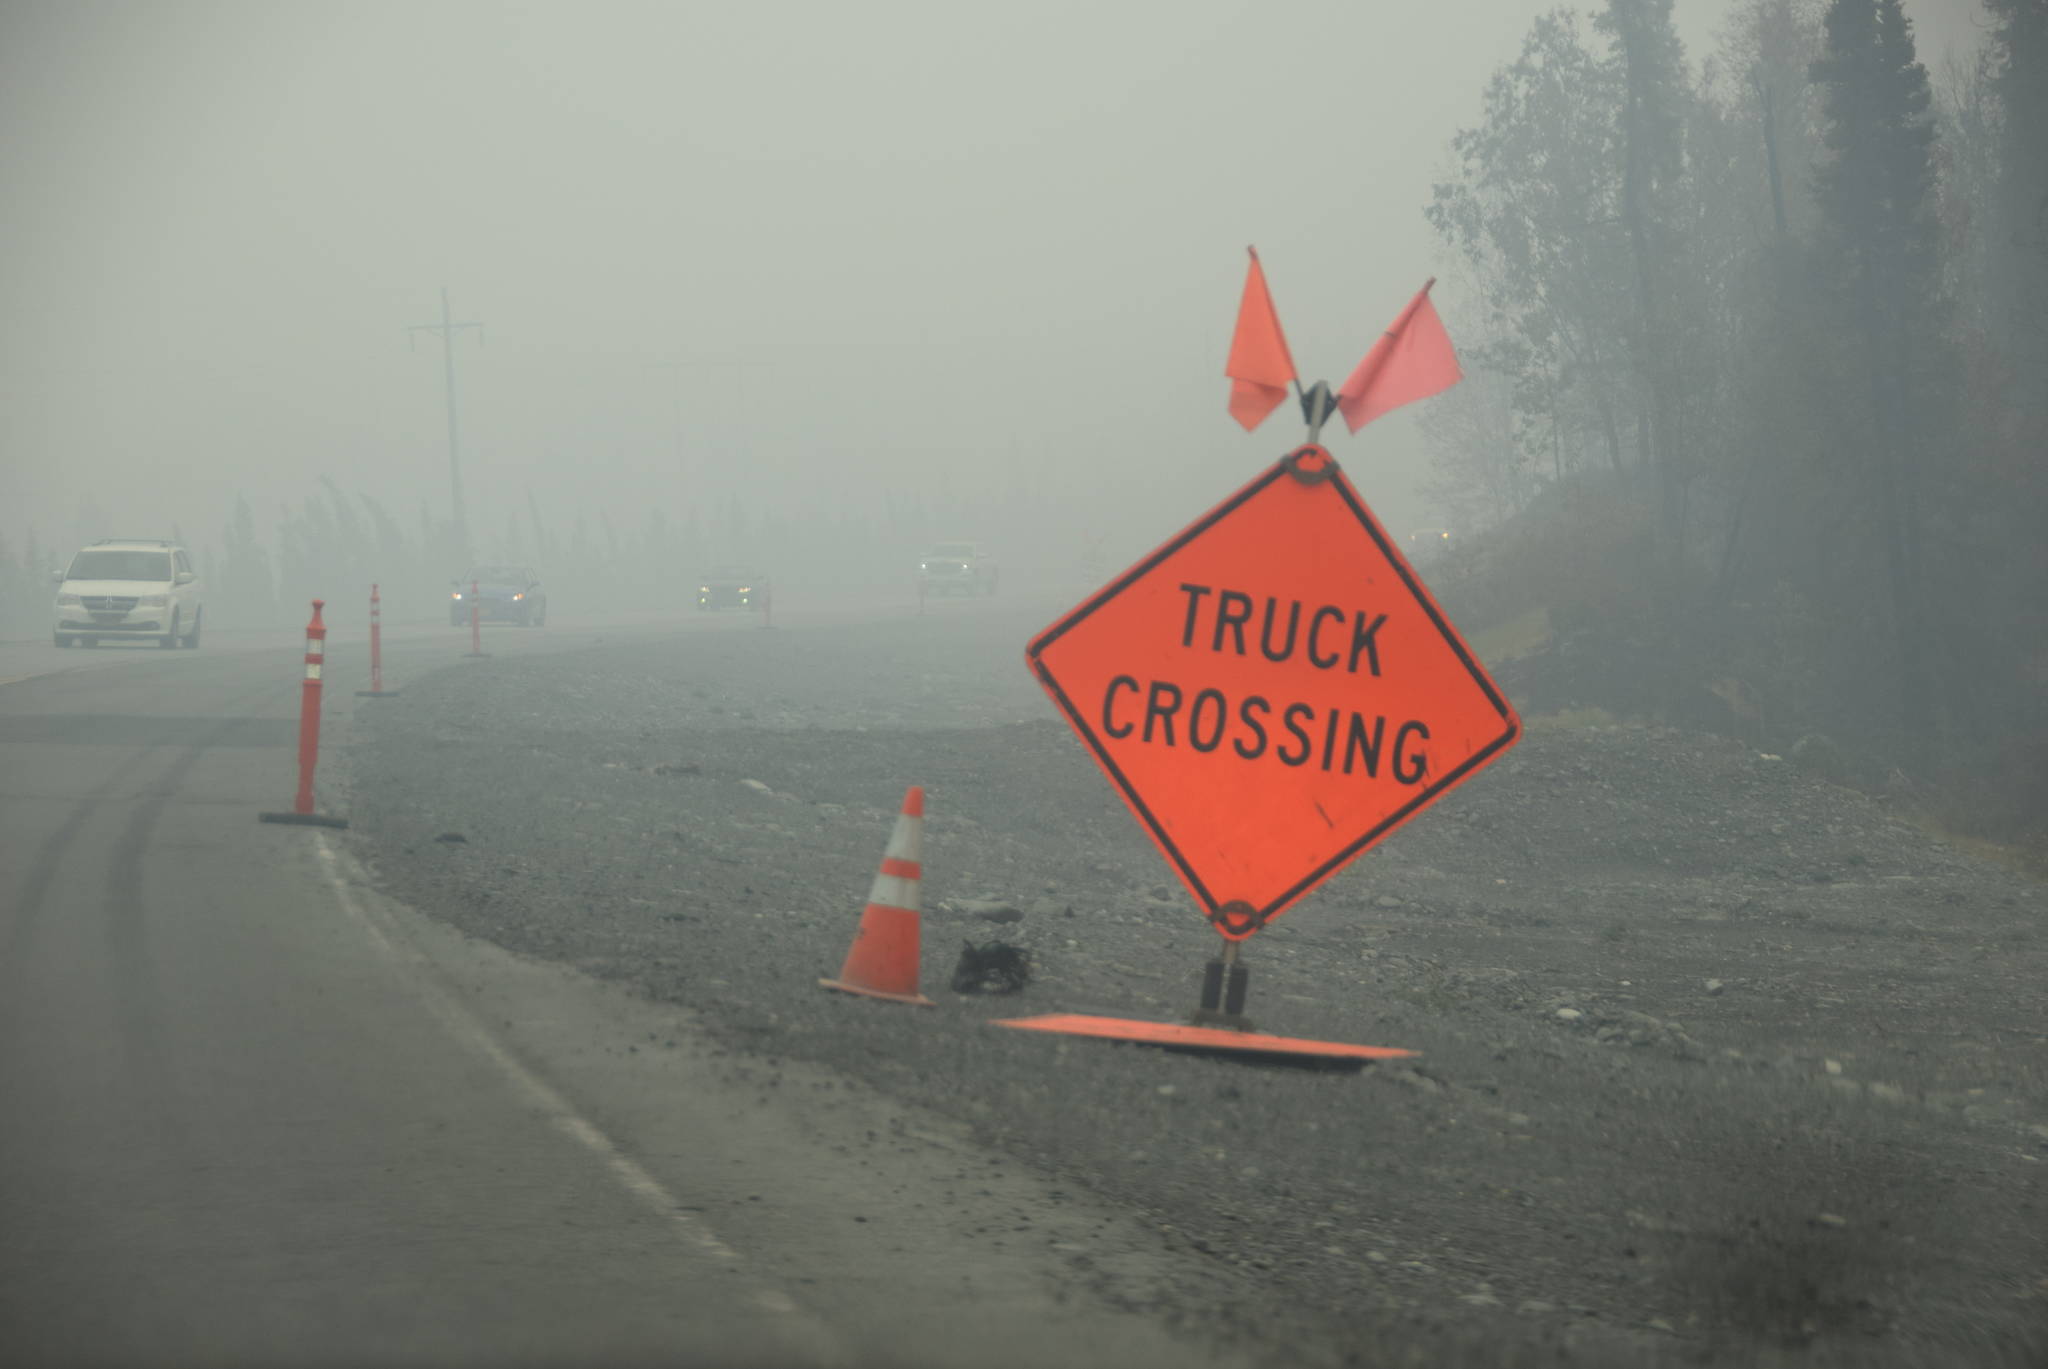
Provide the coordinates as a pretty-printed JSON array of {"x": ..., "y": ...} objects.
[{"x": 448, "y": 328}]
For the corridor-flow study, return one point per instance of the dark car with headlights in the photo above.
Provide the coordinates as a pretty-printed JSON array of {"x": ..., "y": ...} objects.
[
  {"x": 501, "y": 594},
  {"x": 731, "y": 587},
  {"x": 956, "y": 568}
]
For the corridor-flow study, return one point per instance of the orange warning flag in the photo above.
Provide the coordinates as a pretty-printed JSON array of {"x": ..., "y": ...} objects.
[
  {"x": 1260, "y": 367},
  {"x": 1412, "y": 360}
]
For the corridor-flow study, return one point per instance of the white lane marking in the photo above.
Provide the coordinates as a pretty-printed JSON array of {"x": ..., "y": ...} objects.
[{"x": 565, "y": 1118}]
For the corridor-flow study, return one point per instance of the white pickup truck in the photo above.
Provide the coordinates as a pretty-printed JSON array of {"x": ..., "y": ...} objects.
[{"x": 956, "y": 568}]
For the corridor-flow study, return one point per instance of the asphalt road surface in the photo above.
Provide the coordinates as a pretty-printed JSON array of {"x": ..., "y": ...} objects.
[{"x": 255, "y": 1113}]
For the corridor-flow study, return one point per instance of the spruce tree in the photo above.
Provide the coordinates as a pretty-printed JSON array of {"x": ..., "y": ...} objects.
[
  {"x": 1881, "y": 251},
  {"x": 1650, "y": 63},
  {"x": 2018, "y": 258},
  {"x": 246, "y": 591}
]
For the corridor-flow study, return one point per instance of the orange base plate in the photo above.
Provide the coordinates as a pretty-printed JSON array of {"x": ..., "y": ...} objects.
[
  {"x": 917, "y": 998},
  {"x": 1177, "y": 1037}
]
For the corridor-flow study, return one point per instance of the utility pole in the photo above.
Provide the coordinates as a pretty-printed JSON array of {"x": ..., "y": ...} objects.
[{"x": 448, "y": 328}]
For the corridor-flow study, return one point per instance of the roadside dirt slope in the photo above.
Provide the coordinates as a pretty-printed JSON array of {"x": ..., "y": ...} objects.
[{"x": 1720, "y": 1063}]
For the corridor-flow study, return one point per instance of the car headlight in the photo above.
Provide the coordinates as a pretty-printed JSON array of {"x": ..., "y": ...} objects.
[
  {"x": 456, "y": 595},
  {"x": 746, "y": 589},
  {"x": 703, "y": 589},
  {"x": 517, "y": 597},
  {"x": 69, "y": 601},
  {"x": 152, "y": 600},
  {"x": 924, "y": 565}
]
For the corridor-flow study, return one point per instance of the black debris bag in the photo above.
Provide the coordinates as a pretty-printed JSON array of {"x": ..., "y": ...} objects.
[{"x": 995, "y": 967}]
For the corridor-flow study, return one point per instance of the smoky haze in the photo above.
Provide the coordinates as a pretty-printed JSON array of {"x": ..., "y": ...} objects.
[
  {"x": 906, "y": 269},
  {"x": 494, "y": 984}
]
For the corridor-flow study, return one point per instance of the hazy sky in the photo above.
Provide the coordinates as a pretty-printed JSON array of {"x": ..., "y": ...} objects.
[{"x": 833, "y": 247}]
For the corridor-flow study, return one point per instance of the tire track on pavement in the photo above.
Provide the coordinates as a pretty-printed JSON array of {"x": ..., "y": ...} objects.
[
  {"x": 125, "y": 872},
  {"x": 138, "y": 990},
  {"x": 35, "y": 887}
]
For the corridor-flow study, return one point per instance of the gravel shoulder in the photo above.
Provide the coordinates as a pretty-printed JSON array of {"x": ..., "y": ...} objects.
[{"x": 1720, "y": 1063}]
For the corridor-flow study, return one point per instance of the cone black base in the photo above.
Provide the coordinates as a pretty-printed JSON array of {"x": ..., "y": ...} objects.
[
  {"x": 914, "y": 999},
  {"x": 302, "y": 819}
]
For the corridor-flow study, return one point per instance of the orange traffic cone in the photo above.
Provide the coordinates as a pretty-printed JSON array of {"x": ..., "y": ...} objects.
[{"x": 884, "y": 958}]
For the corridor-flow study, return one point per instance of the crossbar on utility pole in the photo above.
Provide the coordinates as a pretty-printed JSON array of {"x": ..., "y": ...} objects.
[{"x": 448, "y": 328}]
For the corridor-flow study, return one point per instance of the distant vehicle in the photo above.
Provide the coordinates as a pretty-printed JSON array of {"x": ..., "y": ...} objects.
[
  {"x": 510, "y": 594},
  {"x": 956, "y": 568},
  {"x": 129, "y": 588},
  {"x": 1427, "y": 544},
  {"x": 731, "y": 587}
]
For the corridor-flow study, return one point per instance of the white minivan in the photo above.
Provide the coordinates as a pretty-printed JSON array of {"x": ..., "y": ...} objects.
[{"x": 122, "y": 588}]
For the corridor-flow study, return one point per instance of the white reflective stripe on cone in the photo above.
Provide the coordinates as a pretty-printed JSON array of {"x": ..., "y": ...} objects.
[
  {"x": 894, "y": 891},
  {"x": 906, "y": 839},
  {"x": 312, "y": 670}
]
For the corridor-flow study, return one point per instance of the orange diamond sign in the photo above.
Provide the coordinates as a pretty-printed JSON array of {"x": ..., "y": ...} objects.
[{"x": 1273, "y": 691}]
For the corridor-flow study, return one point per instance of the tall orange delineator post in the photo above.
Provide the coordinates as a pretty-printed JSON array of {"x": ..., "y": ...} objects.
[
  {"x": 476, "y": 618},
  {"x": 376, "y": 689},
  {"x": 883, "y": 961},
  {"x": 302, "y": 813}
]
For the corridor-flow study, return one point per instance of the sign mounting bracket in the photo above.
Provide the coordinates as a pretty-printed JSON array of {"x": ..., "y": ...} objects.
[{"x": 1317, "y": 404}]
